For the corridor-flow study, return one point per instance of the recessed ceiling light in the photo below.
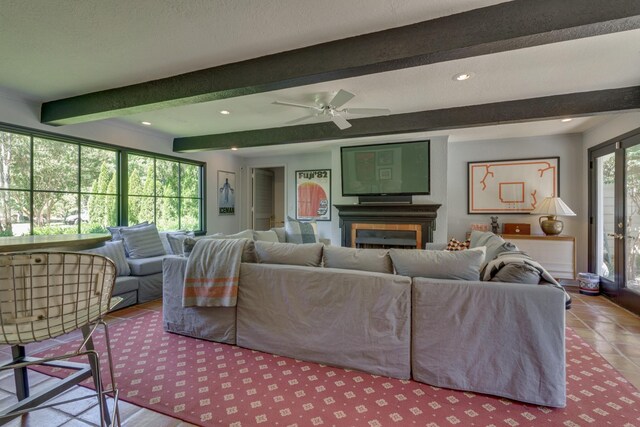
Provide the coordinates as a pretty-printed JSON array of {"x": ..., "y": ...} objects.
[
  {"x": 146, "y": 123},
  {"x": 225, "y": 112},
  {"x": 462, "y": 76},
  {"x": 234, "y": 148},
  {"x": 566, "y": 120}
]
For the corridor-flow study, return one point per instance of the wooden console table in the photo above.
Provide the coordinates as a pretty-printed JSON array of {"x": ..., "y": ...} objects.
[
  {"x": 62, "y": 242},
  {"x": 555, "y": 253}
]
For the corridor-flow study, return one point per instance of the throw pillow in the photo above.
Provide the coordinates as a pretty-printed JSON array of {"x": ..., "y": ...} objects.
[
  {"x": 116, "y": 232},
  {"x": 301, "y": 232},
  {"x": 142, "y": 242},
  {"x": 460, "y": 265},
  {"x": 265, "y": 236},
  {"x": 176, "y": 242},
  {"x": 115, "y": 252},
  {"x": 289, "y": 253},
  {"x": 456, "y": 245},
  {"x": 376, "y": 260}
]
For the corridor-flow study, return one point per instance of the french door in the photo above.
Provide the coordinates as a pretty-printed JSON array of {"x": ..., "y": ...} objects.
[{"x": 614, "y": 249}]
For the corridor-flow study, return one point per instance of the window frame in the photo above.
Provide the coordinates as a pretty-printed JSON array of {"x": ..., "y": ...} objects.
[{"x": 122, "y": 177}]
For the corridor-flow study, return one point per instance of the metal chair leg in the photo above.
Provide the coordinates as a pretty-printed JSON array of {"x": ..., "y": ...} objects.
[
  {"x": 94, "y": 362},
  {"x": 20, "y": 374}
]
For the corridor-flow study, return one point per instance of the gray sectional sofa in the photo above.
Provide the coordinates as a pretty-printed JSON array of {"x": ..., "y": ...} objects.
[{"x": 352, "y": 310}]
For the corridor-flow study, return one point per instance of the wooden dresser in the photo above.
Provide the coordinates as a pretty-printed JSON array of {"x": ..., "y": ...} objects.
[{"x": 556, "y": 253}]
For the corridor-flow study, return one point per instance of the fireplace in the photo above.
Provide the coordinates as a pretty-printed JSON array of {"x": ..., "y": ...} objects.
[{"x": 387, "y": 224}]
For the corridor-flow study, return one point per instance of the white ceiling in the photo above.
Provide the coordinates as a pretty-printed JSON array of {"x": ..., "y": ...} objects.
[{"x": 52, "y": 50}]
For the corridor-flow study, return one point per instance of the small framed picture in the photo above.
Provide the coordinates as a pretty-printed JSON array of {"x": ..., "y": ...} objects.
[
  {"x": 226, "y": 190},
  {"x": 385, "y": 158},
  {"x": 384, "y": 174}
]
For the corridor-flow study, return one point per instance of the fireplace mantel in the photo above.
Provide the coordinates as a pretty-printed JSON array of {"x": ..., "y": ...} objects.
[{"x": 423, "y": 215}]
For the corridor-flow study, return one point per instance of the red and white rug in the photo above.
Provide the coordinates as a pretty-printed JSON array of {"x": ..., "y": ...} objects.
[{"x": 213, "y": 384}]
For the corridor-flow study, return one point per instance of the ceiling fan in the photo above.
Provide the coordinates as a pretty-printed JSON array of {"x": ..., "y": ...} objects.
[{"x": 333, "y": 111}]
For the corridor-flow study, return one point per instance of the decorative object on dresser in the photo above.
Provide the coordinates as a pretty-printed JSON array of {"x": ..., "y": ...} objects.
[
  {"x": 515, "y": 228},
  {"x": 550, "y": 208}
]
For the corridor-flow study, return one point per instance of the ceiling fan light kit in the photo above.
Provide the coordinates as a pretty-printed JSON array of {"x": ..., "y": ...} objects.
[{"x": 333, "y": 111}]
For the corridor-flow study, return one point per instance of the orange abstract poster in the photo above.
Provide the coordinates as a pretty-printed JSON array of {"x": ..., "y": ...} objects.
[{"x": 313, "y": 194}]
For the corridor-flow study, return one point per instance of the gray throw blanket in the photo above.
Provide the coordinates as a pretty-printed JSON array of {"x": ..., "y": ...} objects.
[
  {"x": 519, "y": 257},
  {"x": 212, "y": 273}
]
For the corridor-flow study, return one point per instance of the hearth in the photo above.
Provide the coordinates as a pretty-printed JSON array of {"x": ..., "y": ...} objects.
[{"x": 387, "y": 224}]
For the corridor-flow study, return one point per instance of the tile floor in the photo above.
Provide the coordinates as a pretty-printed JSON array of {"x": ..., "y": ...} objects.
[{"x": 611, "y": 330}]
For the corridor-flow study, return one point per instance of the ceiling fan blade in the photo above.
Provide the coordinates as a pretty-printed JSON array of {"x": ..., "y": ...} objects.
[
  {"x": 291, "y": 104},
  {"x": 301, "y": 119},
  {"x": 369, "y": 111},
  {"x": 340, "y": 121},
  {"x": 341, "y": 98}
]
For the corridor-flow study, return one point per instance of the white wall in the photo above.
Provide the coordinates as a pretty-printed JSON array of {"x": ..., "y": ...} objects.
[
  {"x": 320, "y": 160},
  {"x": 15, "y": 110},
  {"x": 567, "y": 147}
]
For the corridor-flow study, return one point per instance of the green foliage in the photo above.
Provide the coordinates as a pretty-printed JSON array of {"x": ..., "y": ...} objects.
[{"x": 71, "y": 179}]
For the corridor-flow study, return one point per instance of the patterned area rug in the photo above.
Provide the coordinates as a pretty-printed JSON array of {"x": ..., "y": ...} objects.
[{"x": 213, "y": 384}]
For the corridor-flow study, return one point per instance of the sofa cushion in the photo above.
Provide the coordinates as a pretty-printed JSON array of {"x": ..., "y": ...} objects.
[
  {"x": 146, "y": 266},
  {"x": 281, "y": 233},
  {"x": 142, "y": 242},
  {"x": 309, "y": 254},
  {"x": 116, "y": 233},
  {"x": 115, "y": 252},
  {"x": 376, "y": 260},
  {"x": 461, "y": 265},
  {"x": 125, "y": 284},
  {"x": 301, "y": 231},
  {"x": 495, "y": 244},
  {"x": 265, "y": 236}
]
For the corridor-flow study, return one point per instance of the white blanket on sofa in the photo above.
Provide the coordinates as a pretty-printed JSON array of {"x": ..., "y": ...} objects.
[{"x": 212, "y": 272}]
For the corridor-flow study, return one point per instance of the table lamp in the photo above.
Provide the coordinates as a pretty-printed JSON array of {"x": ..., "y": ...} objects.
[{"x": 550, "y": 208}]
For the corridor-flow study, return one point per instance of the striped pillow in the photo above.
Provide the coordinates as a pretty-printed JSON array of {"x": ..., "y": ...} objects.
[
  {"x": 115, "y": 252},
  {"x": 301, "y": 232},
  {"x": 142, "y": 242}
]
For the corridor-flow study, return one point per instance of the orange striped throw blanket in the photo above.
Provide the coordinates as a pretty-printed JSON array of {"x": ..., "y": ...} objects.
[{"x": 212, "y": 273}]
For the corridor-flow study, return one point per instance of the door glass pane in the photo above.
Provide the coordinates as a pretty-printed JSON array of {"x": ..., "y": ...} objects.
[
  {"x": 632, "y": 217},
  {"x": 189, "y": 181},
  {"x": 605, "y": 215},
  {"x": 99, "y": 211},
  {"x": 98, "y": 169}
]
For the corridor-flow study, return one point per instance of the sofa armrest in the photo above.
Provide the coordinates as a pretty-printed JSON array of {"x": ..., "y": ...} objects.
[{"x": 504, "y": 339}]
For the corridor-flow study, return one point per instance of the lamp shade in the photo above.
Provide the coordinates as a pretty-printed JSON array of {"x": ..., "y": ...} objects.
[{"x": 553, "y": 206}]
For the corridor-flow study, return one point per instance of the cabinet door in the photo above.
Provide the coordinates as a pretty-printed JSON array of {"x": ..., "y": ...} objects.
[{"x": 555, "y": 254}]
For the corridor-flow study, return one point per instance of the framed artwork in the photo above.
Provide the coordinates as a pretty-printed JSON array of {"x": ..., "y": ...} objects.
[
  {"x": 226, "y": 193},
  {"x": 313, "y": 194},
  {"x": 385, "y": 158},
  {"x": 366, "y": 166},
  {"x": 511, "y": 186},
  {"x": 384, "y": 174}
]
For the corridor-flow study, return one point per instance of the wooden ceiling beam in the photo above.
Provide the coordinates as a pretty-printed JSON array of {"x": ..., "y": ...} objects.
[
  {"x": 518, "y": 111},
  {"x": 503, "y": 27}
]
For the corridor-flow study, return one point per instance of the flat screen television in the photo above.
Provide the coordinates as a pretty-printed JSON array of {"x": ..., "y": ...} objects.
[{"x": 395, "y": 169}]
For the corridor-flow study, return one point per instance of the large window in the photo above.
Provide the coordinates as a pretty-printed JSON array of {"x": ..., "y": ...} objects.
[
  {"x": 55, "y": 185},
  {"x": 166, "y": 192}
]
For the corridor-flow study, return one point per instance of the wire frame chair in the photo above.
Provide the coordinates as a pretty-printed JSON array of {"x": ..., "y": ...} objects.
[{"x": 47, "y": 294}]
